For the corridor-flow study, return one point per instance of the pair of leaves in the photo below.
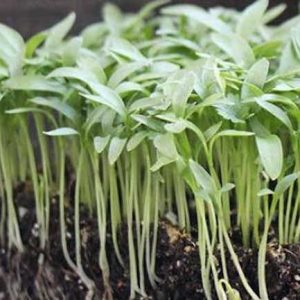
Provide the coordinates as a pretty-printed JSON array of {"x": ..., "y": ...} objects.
[{"x": 104, "y": 95}]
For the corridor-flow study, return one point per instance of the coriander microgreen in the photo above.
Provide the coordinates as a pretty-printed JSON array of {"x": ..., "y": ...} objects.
[{"x": 147, "y": 107}]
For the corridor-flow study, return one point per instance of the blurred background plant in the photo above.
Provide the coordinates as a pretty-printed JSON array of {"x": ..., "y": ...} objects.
[{"x": 31, "y": 16}]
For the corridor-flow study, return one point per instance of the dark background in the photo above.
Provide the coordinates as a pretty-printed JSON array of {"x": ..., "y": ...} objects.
[{"x": 31, "y": 16}]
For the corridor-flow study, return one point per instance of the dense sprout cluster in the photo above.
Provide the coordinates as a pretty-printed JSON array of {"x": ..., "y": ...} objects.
[{"x": 147, "y": 109}]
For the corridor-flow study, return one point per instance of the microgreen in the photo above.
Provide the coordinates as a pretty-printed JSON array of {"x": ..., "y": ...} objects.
[{"x": 148, "y": 108}]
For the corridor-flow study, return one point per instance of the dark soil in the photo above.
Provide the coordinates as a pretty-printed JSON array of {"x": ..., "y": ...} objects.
[{"x": 22, "y": 277}]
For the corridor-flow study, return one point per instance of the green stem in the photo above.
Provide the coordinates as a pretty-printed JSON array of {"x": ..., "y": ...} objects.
[
  {"x": 101, "y": 221},
  {"x": 14, "y": 236}
]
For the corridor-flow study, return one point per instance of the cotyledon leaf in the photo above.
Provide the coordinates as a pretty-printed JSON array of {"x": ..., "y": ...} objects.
[
  {"x": 285, "y": 182},
  {"x": 57, "y": 105},
  {"x": 251, "y": 18},
  {"x": 274, "y": 12},
  {"x": 276, "y": 111},
  {"x": 129, "y": 87},
  {"x": 34, "y": 83},
  {"x": 177, "y": 89},
  {"x": 123, "y": 72},
  {"x": 63, "y": 131},
  {"x": 233, "y": 132},
  {"x": 110, "y": 99},
  {"x": 271, "y": 154},
  {"x": 198, "y": 14},
  {"x": 290, "y": 57},
  {"x": 105, "y": 95},
  {"x": 112, "y": 17},
  {"x": 136, "y": 140},
  {"x": 12, "y": 49},
  {"x": 257, "y": 75},
  {"x": 87, "y": 63},
  {"x": 125, "y": 48},
  {"x": 57, "y": 33},
  {"x": 74, "y": 73},
  {"x": 202, "y": 177},
  {"x": 33, "y": 43},
  {"x": 71, "y": 51},
  {"x": 212, "y": 130},
  {"x": 230, "y": 133},
  {"x": 145, "y": 11},
  {"x": 116, "y": 147},
  {"x": 236, "y": 47},
  {"x": 176, "y": 127},
  {"x": 165, "y": 144},
  {"x": 100, "y": 143}
]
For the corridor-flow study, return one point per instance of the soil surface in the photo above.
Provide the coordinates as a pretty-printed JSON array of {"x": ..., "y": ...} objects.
[{"x": 23, "y": 277}]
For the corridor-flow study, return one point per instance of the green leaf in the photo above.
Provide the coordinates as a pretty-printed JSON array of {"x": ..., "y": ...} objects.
[
  {"x": 212, "y": 130},
  {"x": 176, "y": 127},
  {"x": 227, "y": 187},
  {"x": 125, "y": 48},
  {"x": 265, "y": 192},
  {"x": 57, "y": 105},
  {"x": 202, "y": 177},
  {"x": 146, "y": 10},
  {"x": 22, "y": 110},
  {"x": 33, "y": 43},
  {"x": 129, "y": 87},
  {"x": 63, "y": 131},
  {"x": 136, "y": 140},
  {"x": 232, "y": 132},
  {"x": 109, "y": 98},
  {"x": 269, "y": 49},
  {"x": 71, "y": 51},
  {"x": 276, "y": 112},
  {"x": 33, "y": 83},
  {"x": 271, "y": 154},
  {"x": 95, "y": 116},
  {"x": 144, "y": 103},
  {"x": 12, "y": 49},
  {"x": 165, "y": 144},
  {"x": 198, "y": 15},
  {"x": 100, "y": 143},
  {"x": 87, "y": 63},
  {"x": 74, "y": 73},
  {"x": 204, "y": 195},
  {"x": 274, "y": 12},
  {"x": 105, "y": 95},
  {"x": 148, "y": 121},
  {"x": 251, "y": 18},
  {"x": 93, "y": 34},
  {"x": 112, "y": 17},
  {"x": 178, "y": 89},
  {"x": 229, "y": 112},
  {"x": 161, "y": 161},
  {"x": 164, "y": 67},
  {"x": 124, "y": 71},
  {"x": 236, "y": 48},
  {"x": 57, "y": 33},
  {"x": 257, "y": 75},
  {"x": 290, "y": 58},
  {"x": 286, "y": 182},
  {"x": 116, "y": 147}
]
